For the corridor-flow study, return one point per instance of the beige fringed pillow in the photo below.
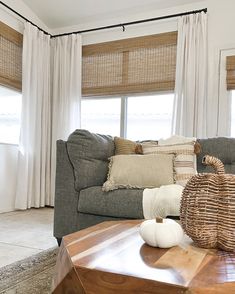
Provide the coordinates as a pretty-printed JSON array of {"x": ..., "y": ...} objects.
[
  {"x": 185, "y": 159},
  {"x": 138, "y": 171},
  {"x": 124, "y": 146}
]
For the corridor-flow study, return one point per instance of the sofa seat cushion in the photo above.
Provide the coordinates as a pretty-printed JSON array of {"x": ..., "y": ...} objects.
[{"x": 124, "y": 203}]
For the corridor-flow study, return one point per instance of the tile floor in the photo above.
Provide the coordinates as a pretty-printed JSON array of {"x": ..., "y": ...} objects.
[{"x": 24, "y": 233}]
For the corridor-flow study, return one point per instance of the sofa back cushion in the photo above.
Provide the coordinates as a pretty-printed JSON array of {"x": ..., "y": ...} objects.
[
  {"x": 222, "y": 148},
  {"x": 89, "y": 155}
]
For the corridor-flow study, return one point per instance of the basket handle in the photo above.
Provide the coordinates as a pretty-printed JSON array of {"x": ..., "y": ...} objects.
[{"x": 215, "y": 163}]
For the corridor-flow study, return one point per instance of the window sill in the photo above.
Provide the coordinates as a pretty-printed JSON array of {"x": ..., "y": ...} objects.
[{"x": 9, "y": 144}]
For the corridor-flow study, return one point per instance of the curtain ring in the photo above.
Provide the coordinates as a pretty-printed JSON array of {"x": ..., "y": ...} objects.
[{"x": 123, "y": 28}]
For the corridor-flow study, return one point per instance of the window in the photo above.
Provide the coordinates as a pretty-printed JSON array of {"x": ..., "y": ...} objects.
[
  {"x": 131, "y": 69},
  {"x": 136, "y": 65},
  {"x": 11, "y": 43},
  {"x": 230, "y": 87},
  {"x": 10, "y": 77},
  {"x": 233, "y": 115},
  {"x": 149, "y": 117},
  {"x": 136, "y": 118},
  {"x": 10, "y": 109},
  {"x": 101, "y": 115},
  {"x": 226, "y": 102}
]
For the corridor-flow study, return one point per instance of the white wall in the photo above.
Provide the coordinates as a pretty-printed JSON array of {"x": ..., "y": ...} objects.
[{"x": 221, "y": 35}]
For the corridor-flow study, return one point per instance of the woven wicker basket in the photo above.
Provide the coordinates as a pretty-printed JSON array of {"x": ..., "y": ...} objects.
[{"x": 207, "y": 210}]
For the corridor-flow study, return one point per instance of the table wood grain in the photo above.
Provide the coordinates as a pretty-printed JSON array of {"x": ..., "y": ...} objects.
[{"x": 111, "y": 258}]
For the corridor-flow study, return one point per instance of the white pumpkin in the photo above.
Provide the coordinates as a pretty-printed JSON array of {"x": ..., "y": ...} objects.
[{"x": 163, "y": 233}]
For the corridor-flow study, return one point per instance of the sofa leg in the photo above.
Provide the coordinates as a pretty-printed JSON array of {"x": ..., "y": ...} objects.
[
  {"x": 173, "y": 217},
  {"x": 59, "y": 241}
]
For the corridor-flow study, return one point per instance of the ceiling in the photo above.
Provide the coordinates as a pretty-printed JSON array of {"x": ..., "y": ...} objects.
[{"x": 63, "y": 13}]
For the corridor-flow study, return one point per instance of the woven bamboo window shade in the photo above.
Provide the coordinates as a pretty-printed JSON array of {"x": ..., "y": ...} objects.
[
  {"x": 230, "y": 67},
  {"x": 136, "y": 65},
  {"x": 10, "y": 57}
]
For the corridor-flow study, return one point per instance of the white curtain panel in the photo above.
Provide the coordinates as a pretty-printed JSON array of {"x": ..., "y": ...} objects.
[
  {"x": 66, "y": 95},
  {"x": 33, "y": 180},
  {"x": 190, "y": 104}
]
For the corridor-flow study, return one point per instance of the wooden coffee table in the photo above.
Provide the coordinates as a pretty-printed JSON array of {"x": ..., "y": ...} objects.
[{"x": 112, "y": 258}]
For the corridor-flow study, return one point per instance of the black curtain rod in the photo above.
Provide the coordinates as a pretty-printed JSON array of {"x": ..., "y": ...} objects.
[{"x": 123, "y": 25}]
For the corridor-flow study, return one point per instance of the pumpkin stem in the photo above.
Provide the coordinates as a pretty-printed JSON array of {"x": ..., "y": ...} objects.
[
  {"x": 215, "y": 163},
  {"x": 159, "y": 219}
]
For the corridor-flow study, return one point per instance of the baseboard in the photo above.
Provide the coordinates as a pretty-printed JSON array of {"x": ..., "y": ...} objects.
[{"x": 7, "y": 209}]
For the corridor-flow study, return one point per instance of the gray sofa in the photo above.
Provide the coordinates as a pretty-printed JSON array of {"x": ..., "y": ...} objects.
[{"x": 82, "y": 166}]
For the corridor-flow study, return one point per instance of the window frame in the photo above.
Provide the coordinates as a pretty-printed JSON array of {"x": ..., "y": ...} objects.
[{"x": 232, "y": 127}]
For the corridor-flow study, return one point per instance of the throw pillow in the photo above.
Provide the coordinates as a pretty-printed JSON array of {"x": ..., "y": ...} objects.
[
  {"x": 184, "y": 162},
  {"x": 124, "y": 146},
  {"x": 175, "y": 140},
  {"x": 137, "y": 171}
]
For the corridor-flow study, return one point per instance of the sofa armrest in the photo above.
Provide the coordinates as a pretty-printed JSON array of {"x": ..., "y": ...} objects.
[{"x": 66, "y": 197}]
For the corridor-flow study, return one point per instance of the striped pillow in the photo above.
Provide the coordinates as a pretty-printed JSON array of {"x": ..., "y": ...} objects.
[{"x": 185, "y": 159}]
